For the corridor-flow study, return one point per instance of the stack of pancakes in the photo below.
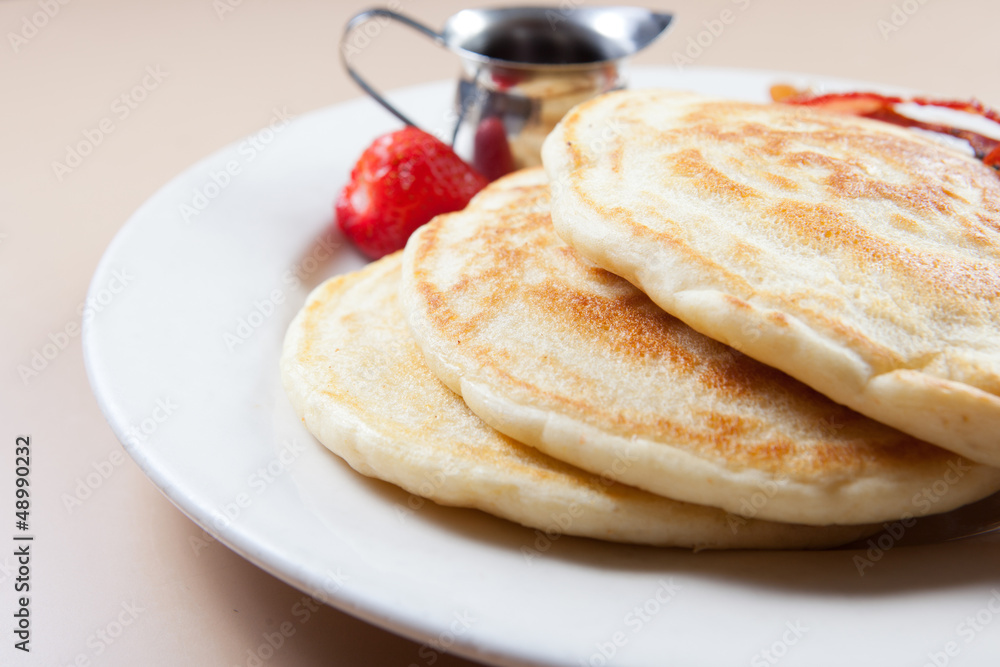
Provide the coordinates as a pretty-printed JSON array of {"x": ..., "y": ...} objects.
[{"x": 706, "y": 324}]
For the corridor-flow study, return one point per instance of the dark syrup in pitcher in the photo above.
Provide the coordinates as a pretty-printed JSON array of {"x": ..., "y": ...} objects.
[{"x": 537, "y": 41}]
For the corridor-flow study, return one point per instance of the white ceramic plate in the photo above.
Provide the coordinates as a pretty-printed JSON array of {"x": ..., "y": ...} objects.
[{"x": 195, "y": 294}]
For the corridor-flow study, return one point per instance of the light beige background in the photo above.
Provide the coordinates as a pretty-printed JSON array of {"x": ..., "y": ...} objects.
[{"x": 225, "y": 71}]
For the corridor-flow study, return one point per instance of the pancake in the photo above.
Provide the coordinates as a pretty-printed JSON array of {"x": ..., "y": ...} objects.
[
  {"x": 357, "y": 379},
  {"x": 577, "y": 362},
  {"x": 861, "y": 258}
]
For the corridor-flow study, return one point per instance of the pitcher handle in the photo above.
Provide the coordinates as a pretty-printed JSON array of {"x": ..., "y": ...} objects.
[{"x": 364, "y": 17}]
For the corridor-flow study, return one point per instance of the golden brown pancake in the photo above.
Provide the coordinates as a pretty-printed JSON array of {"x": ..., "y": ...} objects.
[
  {"x": 859, "y": 257},
  {"x": 572, "y": 359},
  {"x": 357, "y": 379}
]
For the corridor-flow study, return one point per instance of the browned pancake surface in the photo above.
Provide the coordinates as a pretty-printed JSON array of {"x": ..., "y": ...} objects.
[
  {"x": 859, "y": 257},
  {"x": 504, "y": 309},
  {"x": 357, "y": 379}
]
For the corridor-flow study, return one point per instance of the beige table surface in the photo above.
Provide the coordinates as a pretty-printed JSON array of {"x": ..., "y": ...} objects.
[{"x": 126, "y": 552}]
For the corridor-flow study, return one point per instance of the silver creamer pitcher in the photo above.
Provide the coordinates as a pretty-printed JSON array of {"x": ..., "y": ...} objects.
[{"x": 523, "y": 68}]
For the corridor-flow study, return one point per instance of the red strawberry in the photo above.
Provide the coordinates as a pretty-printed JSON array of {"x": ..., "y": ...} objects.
[{"x": 400, "y": 182}]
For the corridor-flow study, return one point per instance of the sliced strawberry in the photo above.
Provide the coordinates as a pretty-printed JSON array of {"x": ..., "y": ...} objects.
[
  {"x": 883, "y": 108},
  {"x": 401, "y": 181}
]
